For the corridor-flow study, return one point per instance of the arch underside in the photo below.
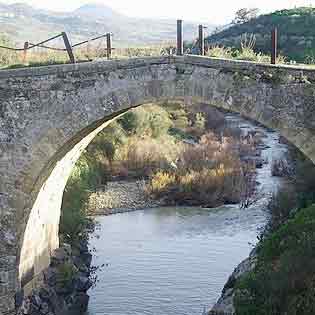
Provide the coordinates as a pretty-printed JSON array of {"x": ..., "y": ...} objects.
[{"x": 57, "y": 116}]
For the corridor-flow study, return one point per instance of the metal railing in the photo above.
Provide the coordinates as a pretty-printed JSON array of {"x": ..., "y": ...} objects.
[
  {"x": 198, "y": 44},
  {"x": 68, "y": 47}
]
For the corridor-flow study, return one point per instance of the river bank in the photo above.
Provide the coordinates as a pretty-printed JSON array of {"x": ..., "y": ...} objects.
[
  {"x": 268, "y": 185},
  {"x": 121, "y": 196},
  {"x": 64, "y": 284},
  {"x": 269, "y": 149}
]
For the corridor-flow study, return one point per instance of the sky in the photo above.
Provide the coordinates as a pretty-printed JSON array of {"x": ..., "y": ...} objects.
[{"x": 211, "y": 11}]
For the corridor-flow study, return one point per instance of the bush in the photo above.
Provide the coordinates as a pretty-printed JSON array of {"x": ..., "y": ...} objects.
[
  {"x": 109, "y": 150},
  {"x": 143, "y": 156},
  {"x": 149, "y": 120},
  {"x": 219, "y": 52},
  {"x": 299, "y": 171},
  {"x": 207, "y": 187},
  {"x": 199, "y": 124},
  {"x": 65, "y": 274},
  {"x": 161, "y": 181},
  {"x": 129, "y": 122},
  {"x": 74, "y": 220},
  {"x": 245, "y": 52},
  {"x": 208, "y": 173},
  {"x": 281, "y": 168},
  {"x": 281, "y": 205},
  {"x": 304, "y": 178},
  {"x": 283, "y": 280},
  {"x": 7, "y": 57}
]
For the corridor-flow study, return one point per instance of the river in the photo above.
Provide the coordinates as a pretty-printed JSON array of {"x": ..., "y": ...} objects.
[{"x": 176, "y": 260}]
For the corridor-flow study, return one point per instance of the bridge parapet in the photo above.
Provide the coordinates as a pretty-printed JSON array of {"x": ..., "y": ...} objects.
[{"x": 130, "y": 63}]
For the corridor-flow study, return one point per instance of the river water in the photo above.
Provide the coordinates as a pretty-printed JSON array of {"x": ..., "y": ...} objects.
[{"x": 176, "y": 260}]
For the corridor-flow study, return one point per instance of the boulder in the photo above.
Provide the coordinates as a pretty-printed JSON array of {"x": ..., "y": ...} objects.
[
  {"x": 44, "y": 308},
  {"x": 59, "y": 257},
  {"x": 82, "y": 283},
  {"x": 49, "y": 296},
  {"x": 46, "y": 293},
  {"x": 81, "y": 265},
  {"x": 80, "y": 303},
  {"x": 83, "y": 246},
  {"x": 50, "y": 276},
  {"x": 87, "y": 258},
  {"x": 18, "y": 298},
  {"x": 26, "y": 306}
]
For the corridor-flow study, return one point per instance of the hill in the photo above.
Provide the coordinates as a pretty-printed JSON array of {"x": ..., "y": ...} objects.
[
  {"x": 296, "y": 28},
  {"x": 21, "y": 22}
]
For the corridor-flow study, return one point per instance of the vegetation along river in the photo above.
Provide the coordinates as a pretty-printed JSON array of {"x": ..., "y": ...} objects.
[{"x": 177, "y": 260}]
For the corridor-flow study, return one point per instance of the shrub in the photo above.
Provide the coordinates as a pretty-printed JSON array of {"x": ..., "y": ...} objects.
[
  {"x": 246, "y": 52},
  {"x": 250, "y": 55},
  {"x": 283, "y": 280},
  {"x": 114, "y": 134},
  {"x": 143, "y": 156},
  {"x": 208, "y": 187},
  {"x": 281, "y": 168},
  {"x": 149, "y": 120},
  {"x": 304, "y": 178},
  {"x": 74, "y": 221},
  {"x": 65, "y": 274},
  {"x": 208, "y": 173},
  {"x": 199, "y": 123},
  {"x": 161, "y": 181},
  {"x": 219, "y": 52},
  {"x": 280, "y": 206},
  {"x": 109, "y": 150},
  {"x": 7, "y": 57},
  {"x": 179, "y": 119},
  {"x": 129, "y": 122},
  {"x": 300, "y": 172}
]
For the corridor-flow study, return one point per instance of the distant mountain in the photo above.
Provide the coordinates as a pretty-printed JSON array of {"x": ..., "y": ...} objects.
[
  {"x": 97, "y": 11},
  {"x": 22, "y": 23},
  {"x": 296, "y": 33}
]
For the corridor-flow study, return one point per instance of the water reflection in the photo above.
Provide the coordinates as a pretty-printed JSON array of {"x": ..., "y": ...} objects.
[{"x": 169, "y": 260}]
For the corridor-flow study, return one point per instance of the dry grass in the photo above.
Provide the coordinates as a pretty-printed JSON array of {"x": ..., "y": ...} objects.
[
  {"x": 89, "y": 52},
  {"x": 209, "y": 173},
  {"x": 161, "y": 181},
  {"x": 38, "y": 57},
  {"x": 246, "y": 52},
  {"x": 142, "y": 157}
]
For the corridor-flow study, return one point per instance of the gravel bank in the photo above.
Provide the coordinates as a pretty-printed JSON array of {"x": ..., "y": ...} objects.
[{"x": 120, "y": 196}]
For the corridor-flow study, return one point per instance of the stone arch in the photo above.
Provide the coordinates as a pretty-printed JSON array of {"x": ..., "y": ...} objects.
[{"x": 50, "y": 114}]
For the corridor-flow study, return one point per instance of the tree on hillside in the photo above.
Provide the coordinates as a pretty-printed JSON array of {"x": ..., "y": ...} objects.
[{"x": 244, "y": 15}]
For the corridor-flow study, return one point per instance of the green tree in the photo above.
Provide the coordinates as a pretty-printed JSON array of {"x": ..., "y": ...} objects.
[
  {"x": 129, "y": 122},
  {"x": 245, "y": 15}
]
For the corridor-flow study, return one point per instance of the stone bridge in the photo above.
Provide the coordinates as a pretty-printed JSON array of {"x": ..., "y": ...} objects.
[{"x": 48, "y": 115}]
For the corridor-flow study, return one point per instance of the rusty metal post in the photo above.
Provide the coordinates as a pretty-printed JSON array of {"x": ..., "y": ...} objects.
[
  {"x": 68, "y": 47},
  {"x": 274, "y": 45},
  {"x": 201, "y": 40},
  {"x": 180, "y": 43},
  {"x": 109, "y": 45},
  {"x": 26, "y": 44}
]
